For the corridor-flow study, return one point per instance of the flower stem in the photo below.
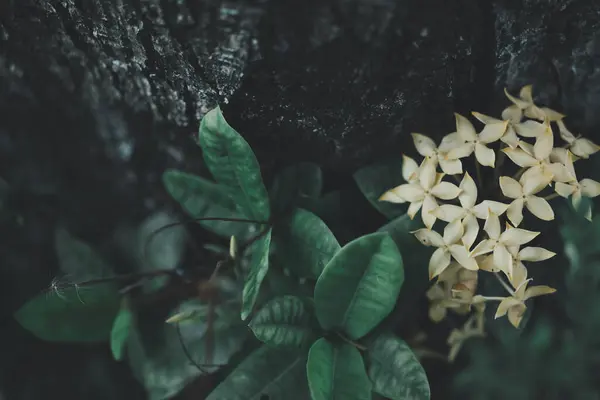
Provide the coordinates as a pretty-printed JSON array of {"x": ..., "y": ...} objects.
[
  {"x": 508, "y": 289},
  {"x": 551, "y": 196}
]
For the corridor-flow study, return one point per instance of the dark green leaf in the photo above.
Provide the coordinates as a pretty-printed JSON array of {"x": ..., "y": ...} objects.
[
  {"x": 328, "y": 207},
  {"x": 304, "y": 244},
  {"x": 233, "y": 164},
  {"x": 78, "y": 260},
  {"x": 120, "y": 331},
  {"x": 268, "y": 373},
  {"x": 282, "y": 321},
  {"x": 375, "y": 180},
  {"x": 395, "y": 371},
  {"x": 259, "y": 265},
  {"x": 293, "y": 184},
  {"x": 201, "y": 198},
  {"x": 416, "y": 261},
  {"x": 73, "y": 314},
  {"x": 359, "y": 286},
  {"x": 337, "y": 372}
]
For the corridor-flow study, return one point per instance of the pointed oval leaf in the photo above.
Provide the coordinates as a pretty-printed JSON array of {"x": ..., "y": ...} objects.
[
  {"x": 395, "y": 370},
  {"x": 282, "y": 321},
  {"x": 305, "y": 244},
  {"x": 294, "y": 185},
  {"x": 233, "y": 164},
  {"x": 259, "y": 265},
  {"x": 120, "y": 331},
  {"x": 337, "y": 372},
  {"x": 74, "y": 314},
  {"x": 359, "y": 286},
  {"x": 269, "y": 372},
  {"x": 375, "y": 180},
  {"x": 201, "y": 198}
]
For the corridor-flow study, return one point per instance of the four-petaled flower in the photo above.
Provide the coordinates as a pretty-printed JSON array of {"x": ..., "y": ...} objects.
[
  {"x": 515, "y": 306},
  {"x": 422, "y": 194},
  {"x": 578, "y": 145},
  {"x": 410, "y": 173},
  {"x": 530, "y": 254},
  {"x": 468, "y": 141},
  {"x": 523, "y": 193},
  {"x": 499, "y": 242},
  {"x": 577, "y": 189},
  {"x": 536, "y": 158},
  {"x": 427, "y": 148},
  {"x": 447, "y": 248},
  {"x": 468, "y": 212},
  {"x": 524, "y": 105}
]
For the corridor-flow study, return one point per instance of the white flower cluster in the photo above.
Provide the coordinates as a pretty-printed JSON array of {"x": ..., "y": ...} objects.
[{"x": 524, "y": 134}]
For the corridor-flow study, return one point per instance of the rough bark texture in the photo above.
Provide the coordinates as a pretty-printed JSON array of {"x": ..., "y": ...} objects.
[{"x": 98, "y": 97}]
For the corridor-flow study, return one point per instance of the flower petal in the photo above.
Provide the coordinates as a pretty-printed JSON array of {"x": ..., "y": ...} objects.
[
  {"x": 520, "y": 157},
  {"x": 535, "y": 254},
  {"x": 414, "y": 208},
  {"x": 515, "y": 314},
  {"x": 515, "y": 211},
  {"x": 504, "y": 306},
  {"x": 450, "y": 167},
  {"x": 462, "y": 256},
  {"x": 425, "y": 146},
  {"x": 519, "y": 274},
  {"x": 392, "y": 197},
  {"x": 449, "y": 142},
  {"x": 445, "y": 191},
  {"x": 510, "y": 187},
  {"x": 484, "y": 155},
  {"x": 439, "y": 261},
  {"x": 429, "y": 237},
  {"x": 534, "y": 291},
  {"x": 512, "y": 113},
  {"x": 471, "y": 230},
  {"x": 564, "y": 189},
  {"x": 492, "y": 226},
  {"x": 589, "y": 188},
  {"x": 503, "y": 260},
  {"x": 429, "y": 204},
  {"x": 409, "y": 191},
  {"x": 540, "y": 208},
  {"x": 530, "y": 129},
  {"x": 544, "y": 144},
  {"x": 584, "y": 148},
  {"x": 468, "y": 195},
  {"x": 462, "y": 151},
  {"x": 517, "y": 236},
  {"x": 510, "y": 137},
  {"x": 449, "y": 212},
  {"x": 427, "y": 174},
  {"x": 487, "y": 263},
  {"x": 522, "y": 104},
  {"x": 410, "y": 169},
  {"x": 481, "y": 209},
  {"x": 465, "y": 128},
  {"x": 559, "y": 172},
  {"x": 453, "y": 232},
  {"x": 534, "y": 183},
  {"x": 493, "y": 132}
]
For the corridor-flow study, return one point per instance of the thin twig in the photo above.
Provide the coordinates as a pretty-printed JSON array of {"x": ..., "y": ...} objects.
[
  {"x": 352, "y": 342},
  {"x": 551, "y": 196},
  {"x": 504, "y": 284}
]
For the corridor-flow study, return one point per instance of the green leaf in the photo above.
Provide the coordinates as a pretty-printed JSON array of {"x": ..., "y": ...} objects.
[
  {"x": 201, "y": 198},
  {"x": 359, "y": 286},
  {"x": 156, "y": 354},
  {"x": 268, "y": 373},
  {"x": 375, "y": 180},
  {"x": 233, "y": 164},
  {"x": 282, "y": 321},
  {"x": 74, "y": 314},
  {"x": 395, "y": 370},
  {"x": 78, "y": 260},
  {"x": 336, "y": 372},
  {"x": 120, "y": 331},
  {"x": 304, "y": 244},
  {"x": 416, "y": 260},
  {"x": 259, "y": 265},
  {"x": 295, "y": 184}
]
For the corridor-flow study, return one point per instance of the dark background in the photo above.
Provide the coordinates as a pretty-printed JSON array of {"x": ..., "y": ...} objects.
[{"x": 97, "y": 98}]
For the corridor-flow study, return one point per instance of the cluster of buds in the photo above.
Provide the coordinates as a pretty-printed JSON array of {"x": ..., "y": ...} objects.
[{"x": 524, "y": 134}]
